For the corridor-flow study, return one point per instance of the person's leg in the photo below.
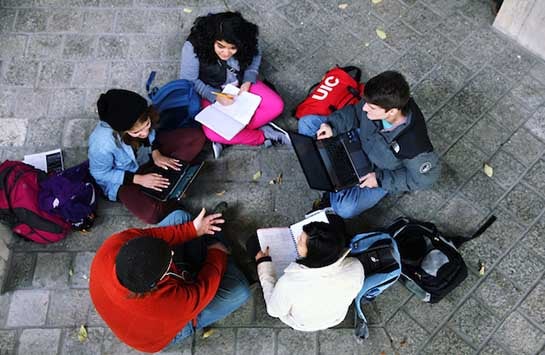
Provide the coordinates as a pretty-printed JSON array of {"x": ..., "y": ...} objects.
[
  {"x": 182, "y": 143},
  {"x": 232, "y": 293},
  {"x": 174, "y": 218},
  {"x": 142, "y": 206},
  {"x": 271, "y": 105},
  {"x": 186, "y": 331},
  {"x": 308, "y": 125},
  {"x": 351, "y": 202}
]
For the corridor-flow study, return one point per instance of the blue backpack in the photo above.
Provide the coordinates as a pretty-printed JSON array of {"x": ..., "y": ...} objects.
[
  {"x": 176, "y": 101},
  {"x": 379, "y": 255}
]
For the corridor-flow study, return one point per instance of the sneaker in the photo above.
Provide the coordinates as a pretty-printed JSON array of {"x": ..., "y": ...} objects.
[
  {"x": 275, "y": 134},
  {"x": 217, "y": 148},
  {"x": 267, "y": 143},
  {"x": 221, "y": 207},
  {"x": 319, "y": 204}
]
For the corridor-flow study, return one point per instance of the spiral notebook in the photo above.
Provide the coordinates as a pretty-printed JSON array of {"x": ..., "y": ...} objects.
[
  {"x": 282, "y": 241},
  {"x": 227, "y": 121}
]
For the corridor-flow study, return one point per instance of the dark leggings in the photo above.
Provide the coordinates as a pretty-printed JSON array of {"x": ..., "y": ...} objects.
[{"x": 183, "y": 144}]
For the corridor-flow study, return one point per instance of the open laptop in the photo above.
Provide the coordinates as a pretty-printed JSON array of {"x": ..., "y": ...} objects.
[
  {"x": 179, "y": 181},
  {"x": 331, "y": 164}
]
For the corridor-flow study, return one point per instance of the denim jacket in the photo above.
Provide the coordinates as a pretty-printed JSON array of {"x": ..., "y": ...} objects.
[{"x": 109, "y": 158}]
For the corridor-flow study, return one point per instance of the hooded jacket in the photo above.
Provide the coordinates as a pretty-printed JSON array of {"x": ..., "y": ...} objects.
[{"x": 310, "y": 299}]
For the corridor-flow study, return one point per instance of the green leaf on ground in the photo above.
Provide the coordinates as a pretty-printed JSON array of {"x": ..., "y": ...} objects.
[
  {"x": 381, "y": 34},
  {"x": 82, "y": 334},
  {"x": 257, "y": 175},
  {"x": 488, "y": 170}
]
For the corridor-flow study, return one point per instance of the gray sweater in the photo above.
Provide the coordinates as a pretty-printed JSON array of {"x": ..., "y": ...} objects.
[{"x": 190, "y": 71}]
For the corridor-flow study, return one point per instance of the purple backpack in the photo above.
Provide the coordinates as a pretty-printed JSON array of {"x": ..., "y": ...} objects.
[{"x": 71, "y": 195}]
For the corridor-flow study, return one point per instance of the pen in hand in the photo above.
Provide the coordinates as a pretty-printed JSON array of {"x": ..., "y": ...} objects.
[{"x": 221, "y": 94}]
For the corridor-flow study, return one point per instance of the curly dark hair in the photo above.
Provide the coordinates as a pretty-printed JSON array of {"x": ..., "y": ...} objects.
[{"x": 230, "y": 27}]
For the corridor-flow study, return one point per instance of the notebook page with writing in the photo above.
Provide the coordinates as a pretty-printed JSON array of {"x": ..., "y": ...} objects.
[
  {"x": 281, "y": 245},
  {"x": 243, "y": 107},
  {"x": 297, "y": 228}
]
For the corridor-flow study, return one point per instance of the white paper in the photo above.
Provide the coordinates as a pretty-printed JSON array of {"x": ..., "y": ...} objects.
[
  {"x": 243, "y": 107},
  {"x": 228, "y": 120},
  {"x": 39, "y": 160},
  {"x": 297, "y": 228},
  {"x": 219, "y": 122},
  {"x": 282, "y": 248},
  {"x": 282, "y": 242}
]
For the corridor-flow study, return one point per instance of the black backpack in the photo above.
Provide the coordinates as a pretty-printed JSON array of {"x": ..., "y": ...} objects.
[{"x": 431, "y": 265}]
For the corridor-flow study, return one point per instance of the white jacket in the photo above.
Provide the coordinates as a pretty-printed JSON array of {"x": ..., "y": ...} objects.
[{"x": 311, "y": 299}]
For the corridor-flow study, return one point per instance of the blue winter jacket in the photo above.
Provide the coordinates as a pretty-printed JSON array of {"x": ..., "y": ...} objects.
[{"x": 109, "y": 158}]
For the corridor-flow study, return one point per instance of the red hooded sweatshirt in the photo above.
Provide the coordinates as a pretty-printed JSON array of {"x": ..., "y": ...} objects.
[{"x": 150, "y": 323}]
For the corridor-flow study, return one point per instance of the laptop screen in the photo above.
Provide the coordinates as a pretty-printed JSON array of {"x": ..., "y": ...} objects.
[{"x": 311, "y": 162}]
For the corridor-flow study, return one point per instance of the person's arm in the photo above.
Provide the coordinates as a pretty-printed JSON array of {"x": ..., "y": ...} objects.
[
  {"x": 345, "y": 119},
  {"x": 180, "y": 233},
  {"x": 251, "y": 72},
  {"x": 417, "y": 173},
  {"x": 274, "y": 293},
  {"x": 101, "y": 167},
  {"x": 189, "y": 70}
]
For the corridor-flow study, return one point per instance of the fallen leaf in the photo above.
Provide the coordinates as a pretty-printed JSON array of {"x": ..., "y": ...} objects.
[
  {"x": 277, "y": 180},
  {"x": 207, "y": 332},
  {"x": 221, "y": 193},
  {"x": 82, "y": 334},
  {"x": 481, "y": 268},
  {"x": 187, "y": 10},
  {"x": 383, "y": 353},
  {"x": 381, "y": 34},
  {"x": 257, "y": 175},
  {"x": 488, "y": 170},
  {"x": 343, "y": 6},
  {"x": 403, "y": 342},
  {"x": 376, "y": 1},
  {"x": 70, "y": 272}
]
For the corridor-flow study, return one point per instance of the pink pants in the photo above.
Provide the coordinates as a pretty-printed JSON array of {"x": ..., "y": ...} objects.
[{"x": 271, "y": 106}]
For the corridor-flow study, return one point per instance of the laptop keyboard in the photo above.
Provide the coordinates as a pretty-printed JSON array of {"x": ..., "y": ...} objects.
[
  {"x": 172, "y": 176},
  {"x": 341, "y": 162}
]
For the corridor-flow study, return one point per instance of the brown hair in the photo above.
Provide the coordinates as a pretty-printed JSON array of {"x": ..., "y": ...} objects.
[{"x": 135, "y": 143}]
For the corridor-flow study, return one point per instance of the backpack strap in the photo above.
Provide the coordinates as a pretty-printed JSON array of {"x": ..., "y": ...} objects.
[
  {"x": 459, "y": 240},
  {"x": 356, "y": 70},
  {"x": 148, "y": 84}
]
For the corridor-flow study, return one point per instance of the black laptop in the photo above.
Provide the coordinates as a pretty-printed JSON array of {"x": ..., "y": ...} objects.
[
  {"x": 331, "y": 164},
  {"x": 179, "y": 181}
]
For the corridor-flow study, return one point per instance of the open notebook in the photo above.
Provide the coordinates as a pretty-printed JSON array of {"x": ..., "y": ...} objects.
[
  {"x": 282, "y": 242},
  {"x": 228, "y": 120}
]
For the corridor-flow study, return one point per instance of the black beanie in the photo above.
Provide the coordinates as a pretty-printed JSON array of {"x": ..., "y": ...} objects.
[
  {"x": 141, "y": 262},
  {"x": 121, "y": 108}
]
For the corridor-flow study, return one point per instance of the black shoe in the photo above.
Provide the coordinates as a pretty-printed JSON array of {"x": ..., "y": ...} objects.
[
  {"x": 322, "y": 203},
  {"x": 221, "y": 207}
]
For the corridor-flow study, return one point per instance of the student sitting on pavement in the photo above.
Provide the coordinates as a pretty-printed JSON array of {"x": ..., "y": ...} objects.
[
  {"x": 393, "y": 134},
  {"x": 120, "y": 147},
  {"x": 148, "y": 300},
  {"x": 223, "y": 49},
  {"x": 315, "y": 291}
]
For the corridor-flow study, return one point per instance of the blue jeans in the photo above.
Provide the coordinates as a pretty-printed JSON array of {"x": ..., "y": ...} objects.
[
  {"x": 348, "y": 202},
  {"x": 175, "y": 217},
  {"x": 232, "y": 293}
]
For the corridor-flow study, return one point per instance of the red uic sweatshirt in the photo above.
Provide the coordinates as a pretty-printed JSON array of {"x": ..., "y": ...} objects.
[{"x": 150, "y": 323}]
